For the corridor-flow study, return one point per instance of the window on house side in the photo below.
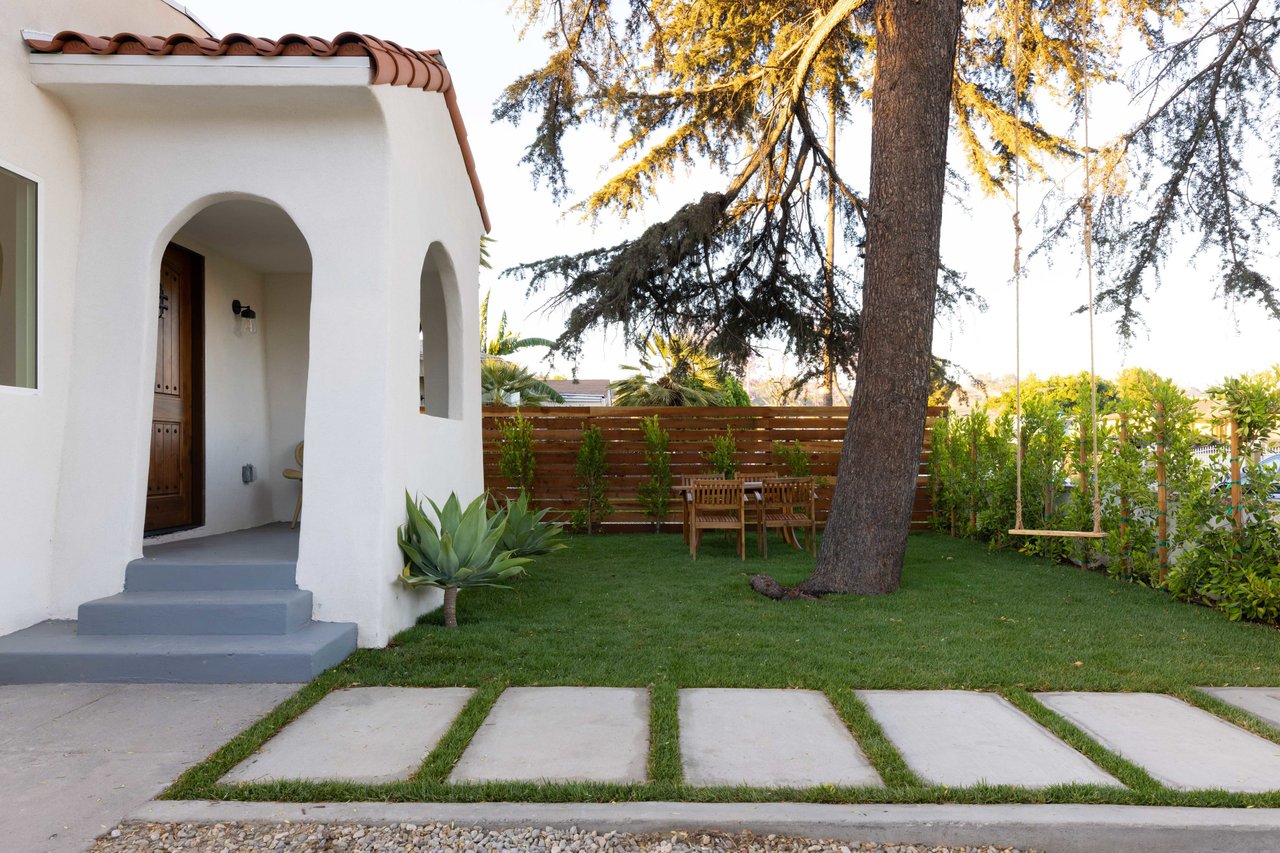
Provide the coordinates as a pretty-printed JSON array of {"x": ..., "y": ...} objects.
[{"x": 17, "y": 281}]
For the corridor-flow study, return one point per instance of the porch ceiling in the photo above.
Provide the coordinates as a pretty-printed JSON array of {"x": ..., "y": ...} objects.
[{"x": 260, "y": 236}]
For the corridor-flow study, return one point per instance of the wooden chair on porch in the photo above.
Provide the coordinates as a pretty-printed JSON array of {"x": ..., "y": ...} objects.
[
  {"x": 787, "y": 504},
  {"x": 296, "y": 474},
  {"x": 717, "y": 505}
]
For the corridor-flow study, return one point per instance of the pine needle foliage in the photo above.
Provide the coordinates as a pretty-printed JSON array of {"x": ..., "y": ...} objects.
[{"x": 745, "y": 88}]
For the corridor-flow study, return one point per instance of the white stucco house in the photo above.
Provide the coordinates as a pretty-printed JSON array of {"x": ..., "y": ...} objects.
[{"x": 213, "y": 249}]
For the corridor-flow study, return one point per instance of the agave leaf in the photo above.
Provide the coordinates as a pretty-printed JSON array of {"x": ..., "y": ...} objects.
[
  {"x": 469, "y": 531},
  {"x": 448, "y": 558}
]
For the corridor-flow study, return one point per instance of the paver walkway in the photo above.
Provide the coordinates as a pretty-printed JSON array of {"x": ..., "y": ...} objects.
[
  {"x": 77, "y": 757},
  {"x": 1262, "y": 702},
  {"x": 1178, "y": 744},
  {"x": 961, "y": 738},
  {"x": 561, "y": 734},
  {"x": 767, "y": 739},
  {"x": 365, "y": 734}
]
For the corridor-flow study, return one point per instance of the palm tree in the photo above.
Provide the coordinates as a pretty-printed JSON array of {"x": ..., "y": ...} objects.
[
  {"x": 674, "y": 371},
  {"x": 503, "y": 381},
  {"x": 507, "y": 341}
]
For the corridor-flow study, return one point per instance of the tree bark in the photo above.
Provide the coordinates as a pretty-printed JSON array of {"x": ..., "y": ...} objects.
[
  {"x": 451, "y": 607},
  {"x": 866, "y": 533}
]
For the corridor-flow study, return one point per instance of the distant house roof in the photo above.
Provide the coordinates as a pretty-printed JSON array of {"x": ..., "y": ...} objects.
[
  {"x": 582, "y": 392},
  {"x": 390, "y": 63}
]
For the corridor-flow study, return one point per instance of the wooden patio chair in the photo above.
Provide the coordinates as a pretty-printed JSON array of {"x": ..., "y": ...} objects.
[
  {"x": 787, "y": 503},
  {"x": 717, "y": 505},
  {"x": 686, "y": 498},
  {"x": 296, "y": 474}
]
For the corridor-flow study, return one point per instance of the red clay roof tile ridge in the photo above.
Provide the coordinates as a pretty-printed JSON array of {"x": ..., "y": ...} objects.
[{"x": 390, "y": 64}]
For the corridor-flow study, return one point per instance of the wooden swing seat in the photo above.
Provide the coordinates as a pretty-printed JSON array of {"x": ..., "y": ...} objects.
[{"x": 1069, "y": 534}]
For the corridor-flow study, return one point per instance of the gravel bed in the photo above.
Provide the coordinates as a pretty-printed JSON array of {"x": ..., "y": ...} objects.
[{"x": 354, "y": 838}]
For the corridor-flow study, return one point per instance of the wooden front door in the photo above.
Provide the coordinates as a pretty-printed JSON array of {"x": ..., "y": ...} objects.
[{"x": 175, "y": 493}]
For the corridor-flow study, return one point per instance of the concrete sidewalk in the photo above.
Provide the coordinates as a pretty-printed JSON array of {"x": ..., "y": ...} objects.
[
  {"x": 1059, "y": 829},
  {"x": 77, "y": 757}
]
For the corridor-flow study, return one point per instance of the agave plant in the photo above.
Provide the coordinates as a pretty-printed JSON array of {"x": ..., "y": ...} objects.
[
  {"x": 526, "y": 534},
  {"x": 462, "y": 552}
]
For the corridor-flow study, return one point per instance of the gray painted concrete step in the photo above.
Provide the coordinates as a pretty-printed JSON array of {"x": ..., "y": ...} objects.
[
  {"x": 1262, "y": 702},
  {"x": 363, "y": 734},
  {"x": 767, "y": 739},
  {"x": 236, "y": 611},
  {"x": 53, "y": 651},
  {"x": 1178, "y": 744},
  {"x": 561, "y": 734},
  {"x": 961, "y": 737},
  {"x": 161, "y": 574}
]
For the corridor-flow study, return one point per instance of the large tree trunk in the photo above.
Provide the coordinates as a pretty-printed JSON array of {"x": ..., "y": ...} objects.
[{"x": 866, "y": 534}]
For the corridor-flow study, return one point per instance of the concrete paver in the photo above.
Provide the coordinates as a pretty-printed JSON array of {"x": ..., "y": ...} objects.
[
  {"x": 594, "y": 734},
  {"x": 958, "y": 738},
  {"x": 362, "y": 734},
  {"x": 77, "y": 757},
  {"x": 1262, "y": 702},
  {"x": 767, "y": 739},
  {"x": 1178, "y": 744}
]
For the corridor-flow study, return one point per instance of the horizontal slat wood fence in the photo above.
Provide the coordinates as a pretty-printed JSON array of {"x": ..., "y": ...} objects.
[{"x": 557, "y": 432}]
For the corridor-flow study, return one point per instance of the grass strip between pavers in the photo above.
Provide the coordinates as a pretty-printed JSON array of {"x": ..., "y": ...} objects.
[
  {"x": 440, "y": 761},
  {"x": 880, "y": 751},
  {"x": 665, "y": 767},
  {"x": 634, "y": 611},
  {"x": 1124, "y": 771}
]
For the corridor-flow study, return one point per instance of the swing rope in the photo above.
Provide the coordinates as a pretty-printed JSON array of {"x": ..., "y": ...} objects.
[{"x": 1086, "y": 207}]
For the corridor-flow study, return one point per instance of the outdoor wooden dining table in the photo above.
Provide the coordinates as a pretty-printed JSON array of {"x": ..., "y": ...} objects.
[{"x": 751, "y": 488}]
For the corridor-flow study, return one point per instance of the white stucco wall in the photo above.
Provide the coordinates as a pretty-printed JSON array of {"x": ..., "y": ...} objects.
[
  {"x": 440, "y": 455},
  {"x": 40, "y": 142},
  {"x": 288, "y": 312},
  {"x": 379, "y": 180}
]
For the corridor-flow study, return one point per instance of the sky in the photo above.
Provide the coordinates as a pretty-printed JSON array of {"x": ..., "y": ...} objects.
[{"x": 1189, "y": 335}]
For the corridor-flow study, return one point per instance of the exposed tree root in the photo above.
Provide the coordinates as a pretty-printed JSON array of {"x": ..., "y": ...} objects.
[{"x": 770, "y": 588}]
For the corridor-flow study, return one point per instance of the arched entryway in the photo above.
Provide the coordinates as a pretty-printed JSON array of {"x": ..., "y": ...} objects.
[{"x": 232, "y": 354}]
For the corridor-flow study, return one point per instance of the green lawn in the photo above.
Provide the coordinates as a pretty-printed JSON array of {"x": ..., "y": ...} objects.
[{"x": 636, "y": 611}]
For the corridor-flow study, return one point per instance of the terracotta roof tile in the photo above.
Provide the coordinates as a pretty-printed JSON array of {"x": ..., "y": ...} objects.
[{"x": 390, "y": 64}]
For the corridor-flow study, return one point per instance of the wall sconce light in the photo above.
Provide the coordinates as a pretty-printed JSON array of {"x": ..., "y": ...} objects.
[{"x": 246, "y": 317}]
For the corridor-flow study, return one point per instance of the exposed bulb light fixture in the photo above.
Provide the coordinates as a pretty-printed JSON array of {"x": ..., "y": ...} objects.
[{"x": 246, "y": 317}]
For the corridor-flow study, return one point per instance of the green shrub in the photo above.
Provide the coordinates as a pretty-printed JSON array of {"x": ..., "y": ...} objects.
[
  {"x": 1235, "y": 571},
  {"x": 516, "y": 461},
  {"x": 792, "y": 457},
  {"x": 1253, "y": 402},
  {"x": 592, "y": 470},
  {"x": 526, "y": 533},
  {"x": 734, "y": 393},
  {"x": 723, "y": 455},
  {"x": 655, "y": 493},
  {"x": 461, "y": 552}
]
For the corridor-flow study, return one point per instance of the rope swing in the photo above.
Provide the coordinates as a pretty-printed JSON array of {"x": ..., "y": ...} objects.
[{"x": 1086, "y": 207}]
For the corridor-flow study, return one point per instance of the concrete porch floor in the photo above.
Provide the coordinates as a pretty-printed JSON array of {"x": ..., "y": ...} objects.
[{"x": 268, "y": 543}]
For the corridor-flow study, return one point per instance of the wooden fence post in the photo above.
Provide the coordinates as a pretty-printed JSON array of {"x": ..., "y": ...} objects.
[
  {"x": 1162, "y": 496},
  {"x": 1127, "y": 560}
]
